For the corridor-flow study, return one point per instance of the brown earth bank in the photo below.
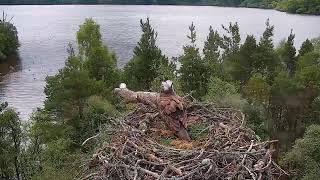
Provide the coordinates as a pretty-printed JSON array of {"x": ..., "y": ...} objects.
[{"x": 11, "y": 64}]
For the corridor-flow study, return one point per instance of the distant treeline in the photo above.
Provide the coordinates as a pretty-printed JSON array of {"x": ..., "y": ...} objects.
[{"x": 291, "y": 6}]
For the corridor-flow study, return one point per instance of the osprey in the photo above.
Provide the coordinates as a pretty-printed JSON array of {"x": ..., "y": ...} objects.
[
  {"x": 167, "y": 87},
  {"x": 172, "y": 109}
]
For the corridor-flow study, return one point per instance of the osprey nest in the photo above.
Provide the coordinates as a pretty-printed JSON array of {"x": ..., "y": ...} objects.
[{"x": 140, "y": 146}]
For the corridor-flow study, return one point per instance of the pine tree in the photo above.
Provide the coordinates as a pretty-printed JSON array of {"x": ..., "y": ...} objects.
[
  {"x": 211, "y": 52},
  {"x": 306, "y": 47},
  {"x": 194, "y": 75},
  {"x": 88, "y": 36},
  {"x": 99, "y": 61},
  {"x": 230, "y": 46},
  {"x": 266, "y": 39},
  {"x": 243, "y": 65},
  {"x": 142, "y": 69},
  {"x": 266, "y": 57},
  {"x": 289, "y": 55},
  {"x": 231, "y": 41}
]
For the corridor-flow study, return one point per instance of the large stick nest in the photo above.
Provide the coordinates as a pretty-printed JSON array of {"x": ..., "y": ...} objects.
[{"x": 140, "y": 147}]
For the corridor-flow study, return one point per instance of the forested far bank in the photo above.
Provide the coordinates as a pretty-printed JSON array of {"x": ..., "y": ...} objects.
[
  {"x": 9, "y": 42},
  {"x": 290, "y": 6},
  {"x": 276, "y": 87}
]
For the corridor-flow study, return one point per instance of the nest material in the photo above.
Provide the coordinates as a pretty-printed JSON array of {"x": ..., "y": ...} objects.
[{"x": 227, "y": 150}]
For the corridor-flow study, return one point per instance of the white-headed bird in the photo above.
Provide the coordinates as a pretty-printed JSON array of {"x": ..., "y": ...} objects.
[{"x": 172, "y": 109}]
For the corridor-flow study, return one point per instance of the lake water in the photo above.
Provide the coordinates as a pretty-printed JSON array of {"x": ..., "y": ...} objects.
[{"x": 45, "y": 31}]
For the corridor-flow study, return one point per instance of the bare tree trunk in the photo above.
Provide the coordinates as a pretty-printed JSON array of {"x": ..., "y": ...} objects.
[{"x": 147, "y": 98}]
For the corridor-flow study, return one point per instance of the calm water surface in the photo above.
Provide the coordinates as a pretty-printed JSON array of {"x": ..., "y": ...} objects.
[{"x": 45, "y": 31}]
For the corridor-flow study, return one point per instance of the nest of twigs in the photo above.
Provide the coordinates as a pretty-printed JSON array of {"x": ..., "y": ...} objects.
[{"x": 138, "y": 146}]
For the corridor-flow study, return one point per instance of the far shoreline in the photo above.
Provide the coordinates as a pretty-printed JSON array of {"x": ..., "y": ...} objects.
[{"x": 204, "y": 5}]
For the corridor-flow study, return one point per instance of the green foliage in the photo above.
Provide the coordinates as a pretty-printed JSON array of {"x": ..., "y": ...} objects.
[
  {"x": 308, "y": 69},
  {"x": 267, "y": 59},
  {"x": 211, "y": 46},
  {"x": 79, "y": 101},
  {"x": 99, "y": 105},
  {"x": 306, "y": 47},
  {"x": 71, "y": 102},
  {"x": 67, "y": 91},
  {"x": 67, "y": 173},
  {"x": 291, "y": 103},
  {"x": 256, "y": 119},
  {"x": 257, "y": 89},
  {"x": 231, "y": 40},
  {"x": 50, "y": 132},
  {"x": 10, "y": 143},
  {"x": 257, "y": 92},
  {"x": 266, "y": 39},
  {"x": 288, "y": 55},
  {"x": 166, "y": 141},
  {"x": 144, "y": 67},
  {"x": 283, "y": 85},
  {"x": 51, "y": 148},
  {"x": 224, "y": 94},
  {"x": 9, "y": 42},
  {"x": 193, "y": 72},
  {"x": 309, "y": 77},
  {"x": 99, "y": 61},
  {"x": 88, "y": 36},
  {"x": 299, "y": 6},
  {"x": 211, "y": 53},
  {"x": 58, "y": 140},
  {"x": 244, "y": 62},
  {"x": 230, "y": 45},
  {"x": 199, "y": 130},
  {"x": 58, "y": 162},
  {"x": 166, "y": 71},
  {"x": 316, "y": 44},
  {"x": 266, "y": 4},
  {"x": 303, "y": 160},
  {"x": 254, "y": 58}
]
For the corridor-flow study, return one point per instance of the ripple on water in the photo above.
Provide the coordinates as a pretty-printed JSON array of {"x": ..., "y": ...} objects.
[{"x": 23, "y": 92}]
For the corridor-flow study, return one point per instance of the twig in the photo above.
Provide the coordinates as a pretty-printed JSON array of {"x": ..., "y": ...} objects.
[
  {"x": 251, "y": 173},
  {"x": 245, "y": 155},
  {"x": 84, "y": 142}
]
